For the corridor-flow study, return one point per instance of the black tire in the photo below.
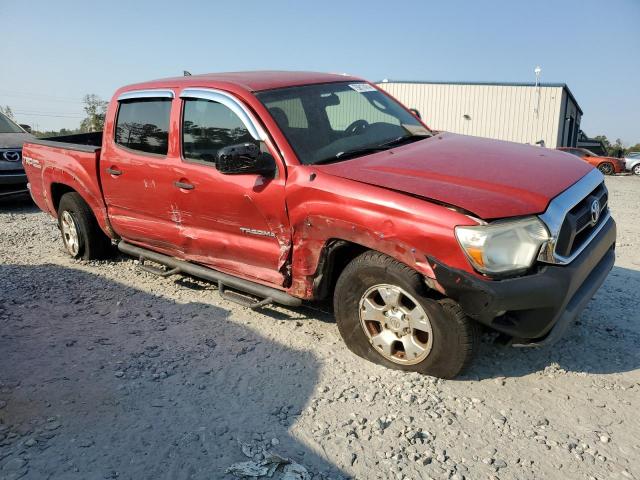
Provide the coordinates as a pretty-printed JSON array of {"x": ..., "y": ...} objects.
[
  {"x": 636, "y": 169},
  {"x": 92, "y": 243},
  {"x": 606, "y": 168},
  {"x": 455, "y": 336}
]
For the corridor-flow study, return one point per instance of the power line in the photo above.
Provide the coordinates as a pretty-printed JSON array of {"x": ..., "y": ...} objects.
[
  {"x": 47, "y": 115},
  {"x": 45, "y": 112},
  {"x": 55, "y": 98}
]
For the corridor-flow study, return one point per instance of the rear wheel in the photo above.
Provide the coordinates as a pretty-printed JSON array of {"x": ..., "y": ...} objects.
[
  {"x": 81, "y": 234},
  {"x": 384, "y": 316},
  {"x": 636, "y": 169},
  {"x": 606, "y": 168}
]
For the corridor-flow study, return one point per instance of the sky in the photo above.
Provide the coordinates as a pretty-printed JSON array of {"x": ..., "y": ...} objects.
[{"x": 53, "y": 53}]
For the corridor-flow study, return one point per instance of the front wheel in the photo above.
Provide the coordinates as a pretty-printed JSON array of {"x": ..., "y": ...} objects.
[
  {"x": 636, "y": 169},
  {"x": 81, "y": 234},
  {"x": 606, "y": 168},
  {"x": 384, "y": 316}
]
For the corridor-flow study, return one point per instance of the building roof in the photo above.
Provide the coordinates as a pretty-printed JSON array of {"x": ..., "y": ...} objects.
[
  {"x": 494, "y": 84},
  {"x": 250, "y": 81}
]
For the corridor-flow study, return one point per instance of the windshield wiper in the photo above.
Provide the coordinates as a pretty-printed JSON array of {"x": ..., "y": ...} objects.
[
  {"x": 403, "y": 139},
  {"x": 356, "y": 152}
]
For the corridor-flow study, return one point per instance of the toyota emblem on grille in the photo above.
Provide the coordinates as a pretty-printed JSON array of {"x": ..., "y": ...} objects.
[
  {"x": 11, "y": 156},
  {"x": 595, "y": 211}
]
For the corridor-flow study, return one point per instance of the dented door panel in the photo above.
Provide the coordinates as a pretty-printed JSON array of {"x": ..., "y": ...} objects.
[
  {"x": 235, "y": 223},
  {"x": 140, "y": 200}
]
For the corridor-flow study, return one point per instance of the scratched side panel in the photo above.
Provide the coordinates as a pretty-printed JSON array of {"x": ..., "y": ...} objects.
[
  {"x": 141, "y": 206},
  {"x": 324, "y": 207},
  {"x": 47, "y": 165}
]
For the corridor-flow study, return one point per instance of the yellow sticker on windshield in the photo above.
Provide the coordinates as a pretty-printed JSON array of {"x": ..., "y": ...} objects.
[{"x": 362, "y": 87}]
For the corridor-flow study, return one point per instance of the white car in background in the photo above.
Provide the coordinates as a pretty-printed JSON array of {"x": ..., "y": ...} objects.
[{"x": 632, "y": 162}]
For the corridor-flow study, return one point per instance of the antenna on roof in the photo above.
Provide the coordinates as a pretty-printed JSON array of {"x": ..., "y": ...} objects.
[
  {"x": 537, "y": 71},
  {"x": 186, "y": 73}
]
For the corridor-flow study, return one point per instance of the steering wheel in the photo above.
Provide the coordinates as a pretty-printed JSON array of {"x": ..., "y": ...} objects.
[{"x": 357, "y": 127}]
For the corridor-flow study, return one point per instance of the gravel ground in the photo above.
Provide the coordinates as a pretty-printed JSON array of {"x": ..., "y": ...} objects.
[{"x": 109, "y": 372}]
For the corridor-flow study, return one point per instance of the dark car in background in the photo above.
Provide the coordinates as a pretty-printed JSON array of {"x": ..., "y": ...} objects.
[{"x": 13, "y": 180}]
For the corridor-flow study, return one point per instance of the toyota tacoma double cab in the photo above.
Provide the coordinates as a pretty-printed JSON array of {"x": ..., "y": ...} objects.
[{"x": 284, "y": 187}]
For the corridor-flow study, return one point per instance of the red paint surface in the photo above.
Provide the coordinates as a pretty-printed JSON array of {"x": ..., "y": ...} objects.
[
  {"x": 363, "y": 200},
  {"x": 490, "y": 178}
]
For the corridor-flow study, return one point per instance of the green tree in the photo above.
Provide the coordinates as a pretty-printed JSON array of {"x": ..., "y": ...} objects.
[
  {"x": 634, "y": 148},
  {"x": 7, "y": 111},
  {"x": 615, "y": 149},
  {"x": 605, "y": 141},
  {"x": 96, "y": 109}
]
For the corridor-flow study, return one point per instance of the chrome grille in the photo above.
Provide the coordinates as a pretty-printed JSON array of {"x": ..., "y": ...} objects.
[
  {"x": 569, "y": 218},
  {"x": 578, "y": 223}
]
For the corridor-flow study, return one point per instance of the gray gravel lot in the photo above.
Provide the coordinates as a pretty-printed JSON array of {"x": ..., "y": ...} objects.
[{"x": 109, "y": 372}]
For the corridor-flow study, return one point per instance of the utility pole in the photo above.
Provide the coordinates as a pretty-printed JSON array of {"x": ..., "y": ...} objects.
[{"x": 537, "y": 71}]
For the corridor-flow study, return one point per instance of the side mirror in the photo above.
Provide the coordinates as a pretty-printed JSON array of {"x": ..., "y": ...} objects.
[
  {"x": 243, "y": 159},
  {"x": 415, "y": 112},
  {"x": 26, "y": 127}
]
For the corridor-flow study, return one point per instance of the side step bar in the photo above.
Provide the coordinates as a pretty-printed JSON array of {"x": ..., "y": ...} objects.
[{"x": 223, "y": 280}]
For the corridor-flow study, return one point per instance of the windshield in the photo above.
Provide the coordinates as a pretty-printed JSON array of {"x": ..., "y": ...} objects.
[
  {"x": 7, "y": 126},
  {"x": 335, "y": 121}
]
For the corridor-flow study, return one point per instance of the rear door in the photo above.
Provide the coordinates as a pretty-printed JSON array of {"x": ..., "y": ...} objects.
[
  {"x": 136, "y": 172},
  {"x": 236, "y": 223}
]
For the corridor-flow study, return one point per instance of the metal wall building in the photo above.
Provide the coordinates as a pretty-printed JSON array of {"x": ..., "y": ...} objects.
[{"x": 517, "y": 112}]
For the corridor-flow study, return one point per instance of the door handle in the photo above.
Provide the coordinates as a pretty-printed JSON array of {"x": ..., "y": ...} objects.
[
  {"x": 184, "y": 186},
  {"x": 114, "y": 171}
]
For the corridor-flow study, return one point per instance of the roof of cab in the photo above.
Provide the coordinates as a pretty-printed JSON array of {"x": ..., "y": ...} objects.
[{"x": 250, "y": 81}]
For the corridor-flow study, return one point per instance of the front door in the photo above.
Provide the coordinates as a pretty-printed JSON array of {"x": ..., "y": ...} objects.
[{"x": 235, "y": 223}]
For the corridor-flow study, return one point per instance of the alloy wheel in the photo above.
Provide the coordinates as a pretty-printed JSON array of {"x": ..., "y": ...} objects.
[
  {"x": 396, "y": 324},
  {"x": 606, "y": 168},
  {"x": 70, "y": 233}
]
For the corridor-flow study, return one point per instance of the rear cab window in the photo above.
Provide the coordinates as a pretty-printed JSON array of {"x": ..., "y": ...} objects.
[{"x": 143, "y": 125}]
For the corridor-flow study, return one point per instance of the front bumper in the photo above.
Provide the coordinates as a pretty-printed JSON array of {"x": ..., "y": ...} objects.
[
  {"x": 12, "y": 183},
  {"x": 534, "y": 309}
]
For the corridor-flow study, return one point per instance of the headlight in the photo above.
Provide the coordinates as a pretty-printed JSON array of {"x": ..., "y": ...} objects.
[{"x": 504, "y": 246}]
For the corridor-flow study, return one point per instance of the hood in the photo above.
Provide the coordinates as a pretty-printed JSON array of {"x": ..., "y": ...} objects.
[
  {"x": 489, "y": 178},
  {"x": 14, "y": 140}
]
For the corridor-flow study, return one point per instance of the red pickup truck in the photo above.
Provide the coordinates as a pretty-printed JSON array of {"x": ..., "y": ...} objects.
[{"x": 291, "y": 186}]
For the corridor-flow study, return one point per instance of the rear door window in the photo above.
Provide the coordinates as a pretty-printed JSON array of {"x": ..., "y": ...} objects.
[{"x": 143, "y": 125}]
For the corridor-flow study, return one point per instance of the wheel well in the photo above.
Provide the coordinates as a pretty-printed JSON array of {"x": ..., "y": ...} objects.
[
  {"x": 57, "y": 191},
  {"x": 335, "y": 256}
]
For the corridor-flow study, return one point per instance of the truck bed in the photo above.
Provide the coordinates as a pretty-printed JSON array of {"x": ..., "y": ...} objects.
[
  {"x": 69, "y": 161},
  {"x": 84, "y": 142}
]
